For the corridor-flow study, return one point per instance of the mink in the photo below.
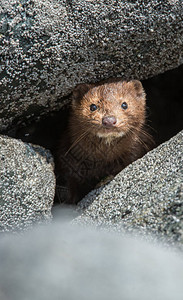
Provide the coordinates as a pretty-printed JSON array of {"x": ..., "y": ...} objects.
[{"x": 105, "y": 133}]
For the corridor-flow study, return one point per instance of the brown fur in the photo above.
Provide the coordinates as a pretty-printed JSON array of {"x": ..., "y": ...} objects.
[{"x": 89, "y": 151}]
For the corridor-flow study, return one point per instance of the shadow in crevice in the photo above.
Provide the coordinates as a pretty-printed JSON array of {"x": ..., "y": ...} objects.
[{"x": 165, "y": 103}]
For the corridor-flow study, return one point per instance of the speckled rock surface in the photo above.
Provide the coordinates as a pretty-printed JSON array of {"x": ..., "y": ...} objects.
[
  {"x": 47, "y": 47},
  {"x": 147, "y": 195},
  {"x": 27, "y": 184}
]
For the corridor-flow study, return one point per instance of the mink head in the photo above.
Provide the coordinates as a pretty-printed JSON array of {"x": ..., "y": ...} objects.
[{"x": 109, "y": 110}]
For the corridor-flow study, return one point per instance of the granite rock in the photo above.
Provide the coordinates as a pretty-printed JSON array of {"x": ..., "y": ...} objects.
[
  {"x": 27, "y": 184},
  {"x": 147, "y": 196},
  {"x": 47, "y": 47}
]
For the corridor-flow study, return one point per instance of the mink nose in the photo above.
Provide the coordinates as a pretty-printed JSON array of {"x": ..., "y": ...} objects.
[{"x": 109, "y": 121}]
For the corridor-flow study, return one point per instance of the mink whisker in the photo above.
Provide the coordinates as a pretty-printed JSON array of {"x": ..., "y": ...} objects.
[
  {"x": 77, "y": 141},
  {"x": 139, "y": 139}
]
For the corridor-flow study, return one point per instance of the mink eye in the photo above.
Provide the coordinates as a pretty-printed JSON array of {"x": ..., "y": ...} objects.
[
  {"x": 124, "y": 105},
  {"x": 93, "y": 107}
]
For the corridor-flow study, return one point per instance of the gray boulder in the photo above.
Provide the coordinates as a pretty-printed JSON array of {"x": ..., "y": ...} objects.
[
  {"x": 146, "y": 196},
  {"x": 62, "y": 262},
  {"x": 47, "y": 47},
  {"x": 27, "y": 184}
]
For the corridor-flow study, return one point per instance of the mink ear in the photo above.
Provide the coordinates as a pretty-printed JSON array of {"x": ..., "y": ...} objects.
[
  {"x": 79, "y": 91},
  {"x": 137, "y": 85}
]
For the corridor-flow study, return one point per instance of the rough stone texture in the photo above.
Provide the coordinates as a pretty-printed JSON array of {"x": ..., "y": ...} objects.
[
  {"x": 27, "y": 184},
  {"x": 147, "y": 195},
  {"x": 47, "y": 47},
  {"x": 59, "y": 262}
]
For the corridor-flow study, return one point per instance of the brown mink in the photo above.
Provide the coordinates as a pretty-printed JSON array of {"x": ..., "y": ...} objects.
[{"x": 105, "y": 133}]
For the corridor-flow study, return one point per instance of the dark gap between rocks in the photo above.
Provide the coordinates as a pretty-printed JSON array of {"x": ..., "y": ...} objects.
[
  {"x": 164, "y": 113},
  {"x": 165, "y": 104}
]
